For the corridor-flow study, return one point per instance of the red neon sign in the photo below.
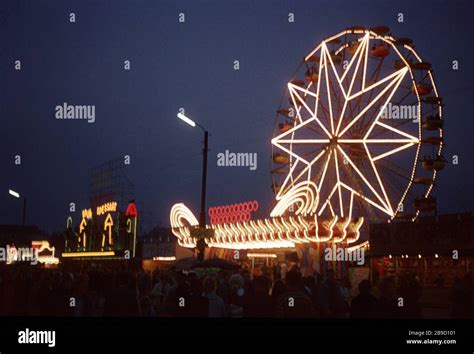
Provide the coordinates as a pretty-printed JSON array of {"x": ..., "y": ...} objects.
[
  {"x": 232, "y": 213},
  {"x": 131, "y": 210}
]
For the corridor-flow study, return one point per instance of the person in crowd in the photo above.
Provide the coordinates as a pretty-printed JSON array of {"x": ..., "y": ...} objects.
[
  {"x": 239, "y": 297},
  {"x": 260, "y": 304},
  {"x": 294, "y": 303},
  {"x": 278, "y": 289},
  {"x": 387, "y": 306},
  {"x": 332, "y": 299},
  {"x": 217, "y": 308},
  {"x": 311, "y": 289},
  {"x": 410, "y": 291},
  {"x": 364, "y": 304},
  {"x": 120, "y": 289},
  {"x": 122, "y": 299},
  {"x": 283, "y": 271}
]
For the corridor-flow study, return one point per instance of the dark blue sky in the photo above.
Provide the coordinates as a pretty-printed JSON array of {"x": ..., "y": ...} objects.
[{"x": 190, "y": 65}]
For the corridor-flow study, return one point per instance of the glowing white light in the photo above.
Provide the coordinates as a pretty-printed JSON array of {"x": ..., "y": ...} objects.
[
  {"x": 186, "y": 119},
  {"x": 276, "y": 232},
  {"x": 261, "y": 255},
  {"x": 88, "y": 254},
  {"x": 172, "y": 258},
  {"x": 13, "y": 193}
]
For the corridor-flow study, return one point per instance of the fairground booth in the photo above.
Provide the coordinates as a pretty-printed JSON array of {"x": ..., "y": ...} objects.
[{"x": 104, "y": 231}]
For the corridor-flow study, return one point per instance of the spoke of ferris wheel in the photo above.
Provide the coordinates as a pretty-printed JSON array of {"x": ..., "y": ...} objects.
[
  {"x": 314, "y": 160},
  {"x": 376, "y": 141},
  {"x": 426, "y": 76},
  {"x": 397, "y": 188},
  {"x": 365, "y": 168},
  {"x": 356, "y": 182},
  {"x": 311, "y": 153},
  {"x": 377, "y": 117},
  {"x": 338, "y": 102},
  {"x": 368, "y": 200},
  {"x": 310, "y": 127},
  {"x": 394, "y": 168},
  {"x": 297, "y": 91},
  {"x": 328, "y": 199},
  {"x": 432, "y": 109},
  {"x": 306, "y": 169},
  {"x": 322, "y": 177},
  {"x": 325, "y": 170},
  {"x": 391, "y": 152},
  {"x": 325, "y": 111},
  {"x": 398, "y": 131},
  {"x": 401, "y": 123},
  {"x": 394, "y": 79},
  {"x": 373, "y": 78},
  {"x": 395, "y": 177},
  {"x": 378, "y": 177},
  {"x": 360, "y": 124},
  {"x": 280, "y": 139},
  {"x": 328, "y": 90},
  {"x": 338, "y": 183},
  {"x": 351, "y": 202},
  {"x": 361, "y": 175},
  {"x": 332, "y": 209}
]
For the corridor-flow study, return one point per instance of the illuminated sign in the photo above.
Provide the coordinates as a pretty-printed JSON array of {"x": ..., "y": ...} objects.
[
  {"x": 132, "y": 220},
  {"x": 131, "y": 210},
  {"x": 109, "y": 222},
  {"x": 102, "y": 231},
  {"x": 87, "y": 213},
  {"x": 107, "y": 207},
  {"x": 44, "y": 247}
]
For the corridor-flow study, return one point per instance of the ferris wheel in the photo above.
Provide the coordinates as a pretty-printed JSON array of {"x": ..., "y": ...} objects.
[{"x": 362, "y": 120}]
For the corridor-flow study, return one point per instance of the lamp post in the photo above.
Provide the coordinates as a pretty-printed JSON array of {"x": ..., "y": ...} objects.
[
  {"x": 17, "y": 195},
  {"x": 201, "y": 244}
]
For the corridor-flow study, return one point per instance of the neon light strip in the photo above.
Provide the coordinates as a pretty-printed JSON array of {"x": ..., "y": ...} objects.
[
  {"x": 381, "y": 156},
  {"x": 172, "y": 258},
  {"x": 261, "y": 255},
  {"x": 88, "y": 254}
]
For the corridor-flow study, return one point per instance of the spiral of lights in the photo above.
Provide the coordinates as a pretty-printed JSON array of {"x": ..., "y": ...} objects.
[
  {"x": 303, "y": 195},
  {"x": 182, "y": 219}
]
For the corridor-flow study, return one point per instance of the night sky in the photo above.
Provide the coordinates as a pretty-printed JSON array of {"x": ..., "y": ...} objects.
[{"x": 190, "y": 65}]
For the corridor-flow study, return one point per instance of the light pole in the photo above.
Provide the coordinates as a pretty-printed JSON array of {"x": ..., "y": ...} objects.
[
  {"x": 17, "y": 195},
  {"x": 201, "y": 244}
]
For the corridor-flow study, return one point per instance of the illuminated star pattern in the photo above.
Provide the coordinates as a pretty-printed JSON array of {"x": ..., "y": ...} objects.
[{"x": 338, "y": 135}]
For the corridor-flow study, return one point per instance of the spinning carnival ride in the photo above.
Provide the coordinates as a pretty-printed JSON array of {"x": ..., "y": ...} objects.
[{"x": 359, "y": 136}]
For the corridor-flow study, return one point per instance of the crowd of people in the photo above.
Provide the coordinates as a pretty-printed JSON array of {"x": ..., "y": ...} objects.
[{"x": 115, "y": 289}]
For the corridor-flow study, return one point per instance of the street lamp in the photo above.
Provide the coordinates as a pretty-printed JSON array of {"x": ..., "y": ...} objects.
[
  {"x": 201, "y": 245},
  {"x": 17, "y": 195}
]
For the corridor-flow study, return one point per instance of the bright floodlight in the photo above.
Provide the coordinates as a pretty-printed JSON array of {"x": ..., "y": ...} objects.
[
  {"x": 13, "y": 193},
  {"x": 186, "y": 119}
]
